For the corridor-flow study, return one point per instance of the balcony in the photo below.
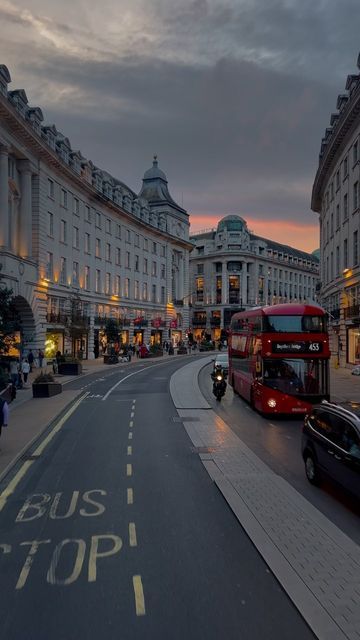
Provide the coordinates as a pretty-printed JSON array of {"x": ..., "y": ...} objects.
[
  {"x": 199, "y": 322},
  {"x": 215, "y": 322},
  {"x": 78, "y": 319},
  {"x": 350, "y": 313},
  {"x": 56, "y": 318}
]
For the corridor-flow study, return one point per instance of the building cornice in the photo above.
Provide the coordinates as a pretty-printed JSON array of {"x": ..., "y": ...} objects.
[{"x": 336, "y": 135}]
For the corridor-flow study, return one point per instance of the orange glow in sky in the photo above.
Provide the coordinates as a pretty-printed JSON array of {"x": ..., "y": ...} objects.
[{"x": 298, "y": 236}]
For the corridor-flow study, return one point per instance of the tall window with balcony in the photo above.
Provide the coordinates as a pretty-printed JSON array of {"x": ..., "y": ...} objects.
[
  {"x": 50, "y": 224},
  {"x": 199, "y": 289},
  {"x": 108, "y": 252},
  {"x": 153, "y": 293},
  {"x": 75, "y": 237},
  {"x": 63, "y": 231},
  {"x": 117, "y": 285},
  {"x": 346, "y": 211},
  {"x": 98, "y": 281},
  {"x": 63, "y": 278},
  {"x": 145, "y": 292},
  {"x": 87, "y": 278},
  {"x": 64, "y": 198},
  {"x": 356, "y": 195},
  {"x": 87, "y": 242},
  {"x": 75, "y": 275},
  {"x": 98, "y": 248},
  {"x": 76, "y": 206},
  {"x": 49, "y": 266},
  {"x": 234, "y": 290},
  {"x": 218, "y": 289},
  {"x": 345, "y": 256},
  {"x": 355, "y": 248},
  {"x": 108, "y": 283}
]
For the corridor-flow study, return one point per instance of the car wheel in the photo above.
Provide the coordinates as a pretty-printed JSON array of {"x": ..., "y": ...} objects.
[{"x": 311, "y": 469}]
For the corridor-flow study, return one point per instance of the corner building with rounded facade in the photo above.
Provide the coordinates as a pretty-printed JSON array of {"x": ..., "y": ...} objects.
[
  {"x": 78, "y": 246},
  {"x": 335, "y": 197},
  {"x": 231, "y": 269}
]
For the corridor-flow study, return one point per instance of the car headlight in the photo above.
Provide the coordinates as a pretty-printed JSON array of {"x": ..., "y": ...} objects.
[{"x": 271, "y": 403}]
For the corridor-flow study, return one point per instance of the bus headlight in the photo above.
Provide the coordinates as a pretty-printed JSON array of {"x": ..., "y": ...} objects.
[{"x": 271, "y": 403}]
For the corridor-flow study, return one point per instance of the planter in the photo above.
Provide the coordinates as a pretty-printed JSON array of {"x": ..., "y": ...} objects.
[
  {"x": 156, "y": 354},
  {"x": 46, "y": 389},
  {"x": 111, "y": 359},
  {"x": 70, "y": 368}
]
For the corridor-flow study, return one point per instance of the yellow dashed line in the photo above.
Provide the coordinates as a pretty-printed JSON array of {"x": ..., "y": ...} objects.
[
  {"x": 131, "y": 424},
  {"x": 130, "y": 436},
  {"x": 132, "y": 535},
  {"x": 139, "y": 596},
  {"x": 130, "y": 496},
  {"x": 129, "y": 469},
  {"x": 129, "y": 451}
]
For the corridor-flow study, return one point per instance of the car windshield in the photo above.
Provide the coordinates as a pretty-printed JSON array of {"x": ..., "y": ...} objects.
[
  {"x": 294, "y": 324},
  {"x": 296, "y": 377}
]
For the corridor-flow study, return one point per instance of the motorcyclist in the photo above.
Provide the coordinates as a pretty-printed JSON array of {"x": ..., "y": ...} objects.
[{"x": 218, "y": 377}]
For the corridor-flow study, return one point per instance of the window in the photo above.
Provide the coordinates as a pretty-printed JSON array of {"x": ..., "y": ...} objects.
[
  {"x": 162, "y": 295},
  {"x": 98, "y": 281},
  {"x": 127, "y": 288},
  {"x": 64, "y": 198},
  {"x": 51, "y": 190},
  {"x": 332, "y": 224},
  {"x": 128, "y": 236},
  {"x": 154, "y": 248},
  {"x": 355, "y": 248},
  {"x": 127, "y": 260},
  {"x": 163, "y": 251},
  {"x": 146, "y": 244},
  {"x": 356, "y": 195},
  {"x": 63, "y": 270},
  {"x": 87, "y": 242},
  {"x": 337, "y": 261},
  {"x": 75, "y": 277},
  {"x": 108, "y": 225},
  {"x": 355, "y": 152},
  {"x": 136, "y": 265},
  {"x": 118, "y": 256},
  {"x": 163, "y": 271},
  {"x": 137, "y": 240},
  {"x": 145, "y": 269},
  {"x": 87, "y": 278},
  {"x": 337, "y": 216},
  {"x": 337, "y": 180},
  {"x": 98, "y": 220},
  {"x": 108, "y": 252},
  {"x": 153, "y": 293},
  {"x": 117, "y": 285},
  {"x": 98, "y": 248},
  {"x": 50, "y": 224},
  {"x": 332, "y": 191},
  {"x": 345, "y": 263},
  {"x": 108, "y": 283},
  {"x": 346, "y": 213},
  {"x": 87, "y": 213},
  {"x": 345, "y": 167},
  {"x": 200, "y": 269},
  {"x": 153, "y": 270},
  {"x": 137, "y": 290},
  {"x": 145, "y": 291},
  {"x": 118, "y": 230},
  {"x": 75, "y": 237},
  {"x": 49, "y": 265},
  {"x": 76, "y": 206}
]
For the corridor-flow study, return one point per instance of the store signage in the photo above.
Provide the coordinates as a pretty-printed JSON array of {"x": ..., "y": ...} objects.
[
  {"x": 297, "y": 347},
  {"x": 173, "y": 324}
]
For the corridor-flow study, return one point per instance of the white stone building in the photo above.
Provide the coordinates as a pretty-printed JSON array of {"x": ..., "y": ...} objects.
[
  {"x": 335, "y": 197},
  {"x": 71, "y": 231},
  {"x": 232, "y": 269}
]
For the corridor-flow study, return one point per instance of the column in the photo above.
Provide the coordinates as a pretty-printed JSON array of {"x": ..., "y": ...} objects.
[
  {"x": 181, "y": 276},
  {"x": 224, "y": 284},
  {"x": 186, "y": 291},
  {"x": 25, "y": 227},
  {"x": 244, "y": 284},
  {"x": 4, "y": 197}
]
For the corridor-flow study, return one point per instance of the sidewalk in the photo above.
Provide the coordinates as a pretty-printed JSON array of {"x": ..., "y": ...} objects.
[
  {"x": 344, "y": 386},
  {"x": 315, "y": 562}
]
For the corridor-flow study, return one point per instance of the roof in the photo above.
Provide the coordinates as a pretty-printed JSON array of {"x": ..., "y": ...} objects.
[
  {"x": 286, "y": 309},
  {"x": 284, "y": 248},
  {"x": 155, "y": 188},
  {"x": 231, "y": 223}
]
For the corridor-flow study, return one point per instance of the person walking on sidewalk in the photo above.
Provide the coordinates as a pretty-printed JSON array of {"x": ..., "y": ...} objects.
[
  {"x": 25, "y": 369},
  {"x": 40, "y": 358},
  {"x": 4, "y": 414},
  {"x": 14, "y": 372},
  {"x": 31, "y": 360}
]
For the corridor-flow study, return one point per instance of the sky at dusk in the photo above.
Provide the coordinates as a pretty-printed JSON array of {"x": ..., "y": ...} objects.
[{"x": 233, "y": 96}]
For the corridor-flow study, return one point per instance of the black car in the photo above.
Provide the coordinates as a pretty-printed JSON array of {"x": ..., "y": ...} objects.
[{"x": 331, "y": 444}]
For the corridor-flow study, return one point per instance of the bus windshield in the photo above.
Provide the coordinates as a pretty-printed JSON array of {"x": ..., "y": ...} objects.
[
  {"x": 294, "y": 324},
  {"x": 296, "y": 376}
]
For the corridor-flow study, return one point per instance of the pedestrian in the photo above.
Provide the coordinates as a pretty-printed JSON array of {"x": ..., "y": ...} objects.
[
  {"x": 31, "y": 360},
  {"x": 14, "y": 372},
  {"x": 25, "y": 369},
  {"x": 40, "y": 357},
  {"x": 4, "y": 414}
]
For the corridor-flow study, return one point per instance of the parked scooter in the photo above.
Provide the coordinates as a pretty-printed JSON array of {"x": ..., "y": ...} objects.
[{"x": 219, "y": 385}]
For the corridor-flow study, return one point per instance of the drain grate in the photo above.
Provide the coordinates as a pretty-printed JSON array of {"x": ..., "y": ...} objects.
[{"x": 203, "y": 449}]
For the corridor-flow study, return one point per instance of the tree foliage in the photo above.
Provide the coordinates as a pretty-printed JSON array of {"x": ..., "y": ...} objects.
[
  {"x": 9, "y": 320},
  {"x": 111, "y": 330}
]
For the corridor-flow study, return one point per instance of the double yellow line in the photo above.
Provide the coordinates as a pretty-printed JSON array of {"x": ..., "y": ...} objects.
[{"x": 9, "y": 490}]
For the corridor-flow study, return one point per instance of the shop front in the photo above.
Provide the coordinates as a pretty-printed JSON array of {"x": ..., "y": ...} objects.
[
  {"x": 353, "y": 345},
  {"x": 175, "y": 333},
  {"x": 54, "y": 342},
  {"x": 157, "y": 327}
]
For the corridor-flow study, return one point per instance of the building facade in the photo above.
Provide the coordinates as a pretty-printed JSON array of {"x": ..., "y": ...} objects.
[
  {"x": 232, "y": 269},
  {"x": 79, "y": 247},
  {"x": 335, "y": 196}
]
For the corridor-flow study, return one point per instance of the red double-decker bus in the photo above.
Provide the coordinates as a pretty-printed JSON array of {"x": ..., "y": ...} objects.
[{"x": 279, "y": 357}]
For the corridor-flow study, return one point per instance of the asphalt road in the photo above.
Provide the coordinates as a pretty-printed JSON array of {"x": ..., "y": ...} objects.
[
  {"x": 277, "y": 442},
  {"x": 117, "y": 531}
]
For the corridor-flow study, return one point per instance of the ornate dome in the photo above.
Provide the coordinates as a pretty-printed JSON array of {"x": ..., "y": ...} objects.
[
  {"x": 231, "y": 223},
  {"x": 155, "y": 173}
]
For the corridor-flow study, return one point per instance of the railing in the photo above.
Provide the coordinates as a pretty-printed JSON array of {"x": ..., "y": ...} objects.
[
  {"x": 351, "y": 312},
  {"x": 62, "y": 318}
]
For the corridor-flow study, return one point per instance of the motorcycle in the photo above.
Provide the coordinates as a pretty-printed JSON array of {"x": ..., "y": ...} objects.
[{"x": 219, "y": 384}]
